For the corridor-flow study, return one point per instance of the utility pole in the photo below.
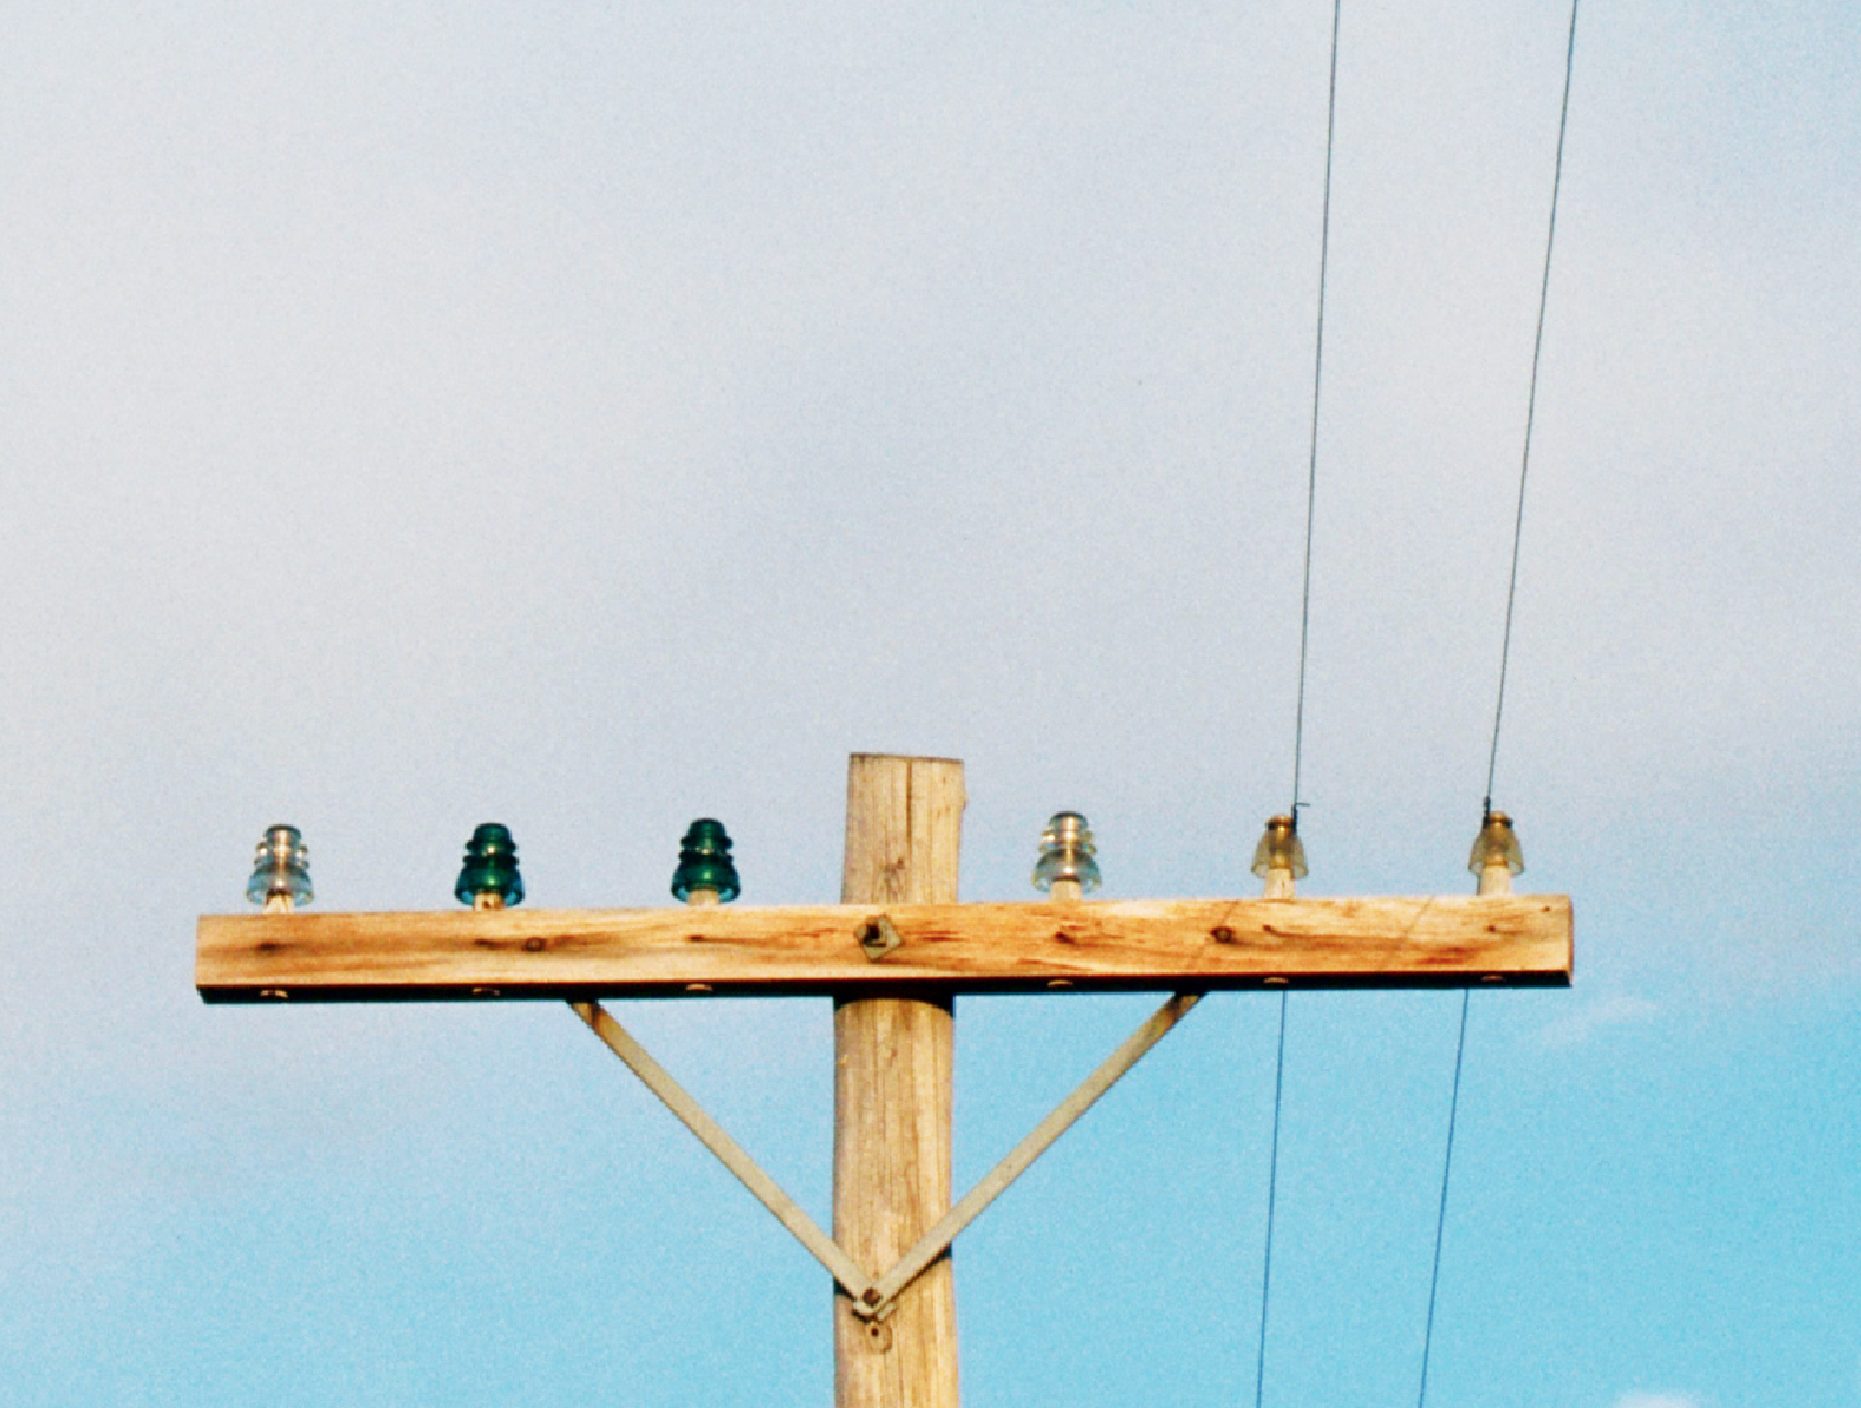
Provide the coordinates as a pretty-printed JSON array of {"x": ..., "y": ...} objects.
[
  {"x": 892, "y": 1058},
  {"x": 892, "y": 955}
]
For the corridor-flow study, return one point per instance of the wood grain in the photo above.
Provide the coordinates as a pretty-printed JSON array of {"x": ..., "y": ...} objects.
[
  {"x": 892, "y": 1109},
  {"x": 1108, "y": 945}
]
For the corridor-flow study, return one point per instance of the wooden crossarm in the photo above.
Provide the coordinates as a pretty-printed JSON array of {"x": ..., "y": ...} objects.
[{"x": 1115, "y": 945}]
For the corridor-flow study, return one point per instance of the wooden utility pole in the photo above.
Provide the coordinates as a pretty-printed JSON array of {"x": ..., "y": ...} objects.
[
  {"x": 892, "y": 1059},
  {"x": 892, "y": 955}
]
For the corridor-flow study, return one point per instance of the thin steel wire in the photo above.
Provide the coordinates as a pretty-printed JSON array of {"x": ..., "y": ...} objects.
[
  {"x": 1447, "y": 1167},
  {"x": 1305, "y": 638},
  {"x": 1531, "y": 404},
  {"x": 1505, "y": 655},
  {"x": 1318, "y": 377},
  {"x": 1266, "y": 1269}
]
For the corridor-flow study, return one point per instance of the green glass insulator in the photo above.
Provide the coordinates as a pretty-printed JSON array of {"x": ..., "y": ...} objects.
[
  {"x": 704, "y": 863},
  {"x": 490, "y": 867}
]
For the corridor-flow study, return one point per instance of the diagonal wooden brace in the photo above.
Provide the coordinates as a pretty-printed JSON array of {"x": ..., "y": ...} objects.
[
  {"x": 874, "y": 1300},
  {"x": 890, "y": 1286},
  {"x": 711, "y": 1134}
]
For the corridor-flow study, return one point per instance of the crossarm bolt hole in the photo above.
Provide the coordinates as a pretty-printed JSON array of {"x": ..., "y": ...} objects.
[{"x": 878, "y": 937}]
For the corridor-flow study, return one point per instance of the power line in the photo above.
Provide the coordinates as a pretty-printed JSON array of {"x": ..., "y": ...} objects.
[
  {"x": 1266, "y": 1271},
  {"x": 1531, "y": 407},
  {"x": 1447, "y": 1165},
  {"x": 1505, "y": 655},
  {"x": 1318, "y": 376},
  {"x": 1305, "y": 633}
]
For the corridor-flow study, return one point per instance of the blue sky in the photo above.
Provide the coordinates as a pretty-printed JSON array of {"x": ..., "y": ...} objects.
[{"x": 592, "y": 417}]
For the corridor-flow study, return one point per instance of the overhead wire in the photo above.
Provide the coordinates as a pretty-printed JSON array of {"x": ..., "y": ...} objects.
[
  {"x": 1266, "y": 1261},
  {"x": 1447, "y": 1168},
  {"x": 1505, "y": 653},
  {"x": 1305, "y": 634},
  {"x": 1531, "y": 407},
  {"x": 1318, "y": 377}
]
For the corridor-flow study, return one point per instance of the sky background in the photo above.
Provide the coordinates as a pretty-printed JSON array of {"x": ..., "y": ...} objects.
[{"x": 592, "y": 416}]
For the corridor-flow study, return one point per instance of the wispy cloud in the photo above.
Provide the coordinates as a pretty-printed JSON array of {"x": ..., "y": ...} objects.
[
  {"x": 1578, "y": 1026},
  {"x": 1659, "y": 1400}
]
